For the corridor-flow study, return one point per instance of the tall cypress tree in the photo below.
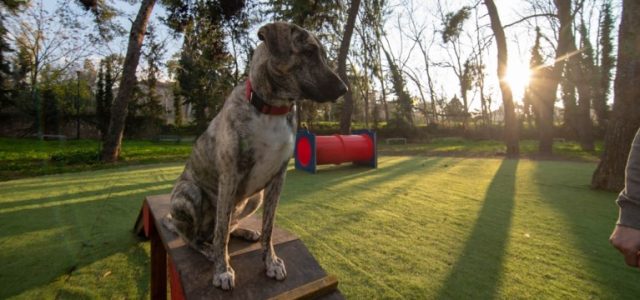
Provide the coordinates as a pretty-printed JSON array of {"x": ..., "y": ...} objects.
[
  {"x": 108, "y": 94},
  {"x": 607, "y": 63},
  {"x": 177, "y": 104},
  {"x": 100, "y": 101}
]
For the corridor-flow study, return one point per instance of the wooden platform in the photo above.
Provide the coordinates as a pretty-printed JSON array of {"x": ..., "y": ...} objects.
[{"x": 191, "y": 273}]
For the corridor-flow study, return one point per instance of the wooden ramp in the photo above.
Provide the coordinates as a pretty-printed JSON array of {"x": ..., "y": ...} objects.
[{"x": 190, "y": 273}]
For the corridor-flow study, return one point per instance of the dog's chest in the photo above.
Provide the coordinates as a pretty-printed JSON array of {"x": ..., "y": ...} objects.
[{"x": 272, "y": 143}]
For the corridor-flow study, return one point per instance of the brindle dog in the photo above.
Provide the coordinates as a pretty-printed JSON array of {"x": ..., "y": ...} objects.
[{"x": 240, "y": 161}]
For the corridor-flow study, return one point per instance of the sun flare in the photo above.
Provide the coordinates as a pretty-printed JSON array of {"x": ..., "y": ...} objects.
[{"x": 518, "y": 77}]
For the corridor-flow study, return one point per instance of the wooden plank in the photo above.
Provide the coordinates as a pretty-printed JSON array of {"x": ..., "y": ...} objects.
[
  {"x": 310, "y": 290},
  {"x": 195, "y": 272},
  {"x": 159, "y": 204},
  {"x": 251, "y": 280}
]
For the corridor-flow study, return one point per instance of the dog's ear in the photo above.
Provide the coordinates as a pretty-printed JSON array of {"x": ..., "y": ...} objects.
[
  {"x": 277, "y": 37},
  {"x": 300, "y": 39}
]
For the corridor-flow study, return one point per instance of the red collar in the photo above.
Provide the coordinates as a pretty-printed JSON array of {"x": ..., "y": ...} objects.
[{"x": 263, "y": 107}]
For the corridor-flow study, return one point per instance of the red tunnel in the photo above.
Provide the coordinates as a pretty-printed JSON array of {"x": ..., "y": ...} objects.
[{"x": 312, "y": 150}]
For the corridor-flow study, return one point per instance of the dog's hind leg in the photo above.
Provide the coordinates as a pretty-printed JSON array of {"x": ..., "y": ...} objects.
[
  {"x": 251, "y": 206},
  {"x": 187, "y": 219}
]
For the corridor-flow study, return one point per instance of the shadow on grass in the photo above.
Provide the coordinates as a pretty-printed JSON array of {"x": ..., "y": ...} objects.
[
  {"x": 477, "y": 271},
  {"x": 41, "y": 244},
  {"x": 16, "y": 206},
  {"x": 363, "y": 208},
  {"x": 565, "y": 189},
  {"x": 349, "y": 205}
]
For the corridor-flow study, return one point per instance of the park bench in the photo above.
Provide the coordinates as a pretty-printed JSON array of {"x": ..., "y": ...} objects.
[
  {"x": 168, "y": 138},
  {"x": 53, "y": 137},
  {"x": 174, "y": 138},
  {"x": 190, "y": 273},
  {"x": 395, "y": 141}
]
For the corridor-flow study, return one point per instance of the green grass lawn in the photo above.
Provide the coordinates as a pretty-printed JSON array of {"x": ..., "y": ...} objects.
[
  {"x": 21, "y": 158},
  {"x": 453, "y": 146},
  {"x": 29, "y": 157},
  {"x": 416, "y": 227}
]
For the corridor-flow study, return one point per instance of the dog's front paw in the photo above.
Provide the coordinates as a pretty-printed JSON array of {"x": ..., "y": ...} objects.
[
  {"x": 225, "y": 280},
  {"x": 275, "y": 268},
  {"x": 247, "y": 234}
]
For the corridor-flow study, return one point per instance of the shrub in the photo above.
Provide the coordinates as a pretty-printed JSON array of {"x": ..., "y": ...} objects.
[{"x": 76, "y": 157}]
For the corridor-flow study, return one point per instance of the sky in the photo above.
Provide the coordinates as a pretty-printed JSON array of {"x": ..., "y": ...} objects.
[{"x": 520, "y": 39}]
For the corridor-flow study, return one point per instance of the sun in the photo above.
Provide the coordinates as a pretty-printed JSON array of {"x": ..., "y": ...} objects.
[{"x": 518, "y": 78}]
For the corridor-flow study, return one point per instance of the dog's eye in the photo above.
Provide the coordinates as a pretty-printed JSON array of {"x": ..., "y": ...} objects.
[{"x": 311, "y": 52}]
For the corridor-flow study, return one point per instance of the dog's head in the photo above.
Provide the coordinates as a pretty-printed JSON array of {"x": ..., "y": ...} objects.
[{"x": 294, "y": 65}]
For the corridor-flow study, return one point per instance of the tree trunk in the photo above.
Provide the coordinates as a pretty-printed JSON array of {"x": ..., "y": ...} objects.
[
  {"x": 510, "y": 123},
  {"x": 113, "y": 140},
  {"x": 580, "y": 76},
  {"x": 384, "y": 91},
  {"x": 542, "y": 95},
  {"x": 625, "y": 118},
  {"x": 347, "y": 108}
]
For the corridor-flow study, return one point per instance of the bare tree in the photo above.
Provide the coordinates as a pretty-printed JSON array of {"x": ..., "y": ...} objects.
[
  {"x": 416, "y": 33},
  {"x": 47, "y": 40},
  {"x": 347, "y": 110},
  {"x": 510, "y": 125}
]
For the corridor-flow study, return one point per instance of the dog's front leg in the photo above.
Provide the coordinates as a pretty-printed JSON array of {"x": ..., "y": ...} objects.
[
  {"x": 223, "y": 274},
  {"x": 274, "y": 265}
]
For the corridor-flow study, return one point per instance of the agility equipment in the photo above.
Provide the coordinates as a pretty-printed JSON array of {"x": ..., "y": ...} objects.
[
  {"x": 313, "y": 150},
  {"x": 190, "y": 272}
]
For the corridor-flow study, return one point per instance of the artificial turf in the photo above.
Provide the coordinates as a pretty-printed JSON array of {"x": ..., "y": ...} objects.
[{"x": 416, "y": 227}]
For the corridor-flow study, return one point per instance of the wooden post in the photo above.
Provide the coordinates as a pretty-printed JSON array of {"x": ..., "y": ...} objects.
[
  {"x": 158, "y": 265},
  {"x": 176, "y": 287}
]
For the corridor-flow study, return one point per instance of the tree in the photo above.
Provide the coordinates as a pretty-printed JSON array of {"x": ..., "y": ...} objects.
[
  {"x": 173, "y": 67},
  {"x": 510, "y": 123},
  {"x": 625, "y": 116},
  {"x": 347, "y": 109},
  {"x": 113, "y": 140},
  {"x": 177, "y": 104},
  {"x": 101, "y": 107},
  {"x": 415, "y": 33},
  {"x": 7, "y": 7},
  {"x": 607, "y": 63},
  {"x": 539, "y": 95},
  {"x": 104, "y": 94},
  {"x": 576, "y": 76},
  {"x": 405, "y": 108},
  {"x": 454, "y": 110},
  {"x": 153, "y": 52},
  {"x": 551, "y": 77},
  {"x": 453, "y": 26},
  {"x": 377, "y": 9},
  {"x": 205, "y": 72},
  {"x": 586, "y": 83},
  {"x": 46, "y": 39}
]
